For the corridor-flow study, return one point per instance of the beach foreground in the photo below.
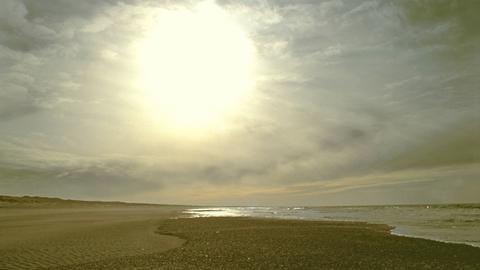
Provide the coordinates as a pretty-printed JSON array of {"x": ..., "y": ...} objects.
[
  {"x": 147, "y": 237},
  {"x": 245, "y": 243},
  {"x": 41, "y": 233}
]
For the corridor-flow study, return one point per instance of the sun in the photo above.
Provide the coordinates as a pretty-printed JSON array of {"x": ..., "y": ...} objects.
[{"x": 196, "y": 66}]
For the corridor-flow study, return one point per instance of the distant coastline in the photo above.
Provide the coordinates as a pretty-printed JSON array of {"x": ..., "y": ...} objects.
[
  {"x": 40, "y": 201},
  {"x": 32, "y": 200}
]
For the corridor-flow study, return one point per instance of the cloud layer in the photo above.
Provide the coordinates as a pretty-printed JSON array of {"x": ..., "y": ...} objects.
[{"x": 357, "y": 102}]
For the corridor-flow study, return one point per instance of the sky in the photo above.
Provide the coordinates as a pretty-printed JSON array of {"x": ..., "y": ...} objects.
[{"x": 306, "y": 102}]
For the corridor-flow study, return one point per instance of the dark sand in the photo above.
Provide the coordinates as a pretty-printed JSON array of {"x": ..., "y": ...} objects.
[{"x": 125, "y": 238}]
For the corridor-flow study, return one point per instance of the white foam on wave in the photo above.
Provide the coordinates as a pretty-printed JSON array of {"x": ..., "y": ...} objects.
[{"x": 445, "y": 223}]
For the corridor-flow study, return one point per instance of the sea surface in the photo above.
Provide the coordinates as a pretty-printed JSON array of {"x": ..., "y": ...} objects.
[{"x": 447, "y": 223}]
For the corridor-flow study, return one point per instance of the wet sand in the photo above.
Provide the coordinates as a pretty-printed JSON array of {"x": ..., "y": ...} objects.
[
  {"x": 33, "y": 238},
  {"x": 146, "y": 237},
  {"x": 246, "y": 243}
]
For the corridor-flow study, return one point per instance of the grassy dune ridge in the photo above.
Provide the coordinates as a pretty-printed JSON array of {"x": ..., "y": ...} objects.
[{"x": 37, "y": 201}]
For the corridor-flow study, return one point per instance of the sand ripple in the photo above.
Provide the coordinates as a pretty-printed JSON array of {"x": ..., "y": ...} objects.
[{"x": 59, "y": 239}]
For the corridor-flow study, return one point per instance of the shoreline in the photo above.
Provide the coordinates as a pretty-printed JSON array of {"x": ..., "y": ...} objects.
[
  {"x": 464, "y": 232},
  {"x": 163, "y": 237},
  {"x": 264, "y": 243},
  {"x": 434, "y": 239},
  {"x": 391, "y": 231}
]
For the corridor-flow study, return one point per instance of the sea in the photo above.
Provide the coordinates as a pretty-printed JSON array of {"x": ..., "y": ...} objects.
[{"x": 454, "y": 223}]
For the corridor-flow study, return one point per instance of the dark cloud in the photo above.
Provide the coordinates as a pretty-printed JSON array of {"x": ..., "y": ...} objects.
[
  {"x": 92, "y": 179},
  {"x": 460, "y": 144},
  {"x": 433, "y": 14},
  {"x": 20, "y": 33}
]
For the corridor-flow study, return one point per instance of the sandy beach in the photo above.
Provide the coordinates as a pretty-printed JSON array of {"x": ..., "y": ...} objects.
[
  {"x": 147, "y": 237},
  {"x": 47, "y": 233}
]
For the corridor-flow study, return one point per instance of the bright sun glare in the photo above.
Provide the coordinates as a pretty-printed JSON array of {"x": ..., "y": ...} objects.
[{"x": 196, "y": 66}]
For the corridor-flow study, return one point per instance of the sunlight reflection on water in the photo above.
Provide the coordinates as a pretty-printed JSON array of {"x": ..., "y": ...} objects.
[{"x": 446, "y": 223}]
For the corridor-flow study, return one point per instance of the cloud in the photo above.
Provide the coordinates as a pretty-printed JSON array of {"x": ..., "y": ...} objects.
[
  {"x": 460, "y": 144},
  {"x": 352, "y": 98},
  {"x": 46, "y": 172},
  {"x": 17, "y": 32}
]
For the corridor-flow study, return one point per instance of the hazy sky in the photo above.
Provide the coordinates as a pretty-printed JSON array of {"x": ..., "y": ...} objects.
[{"x": 354, "y": 102}]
